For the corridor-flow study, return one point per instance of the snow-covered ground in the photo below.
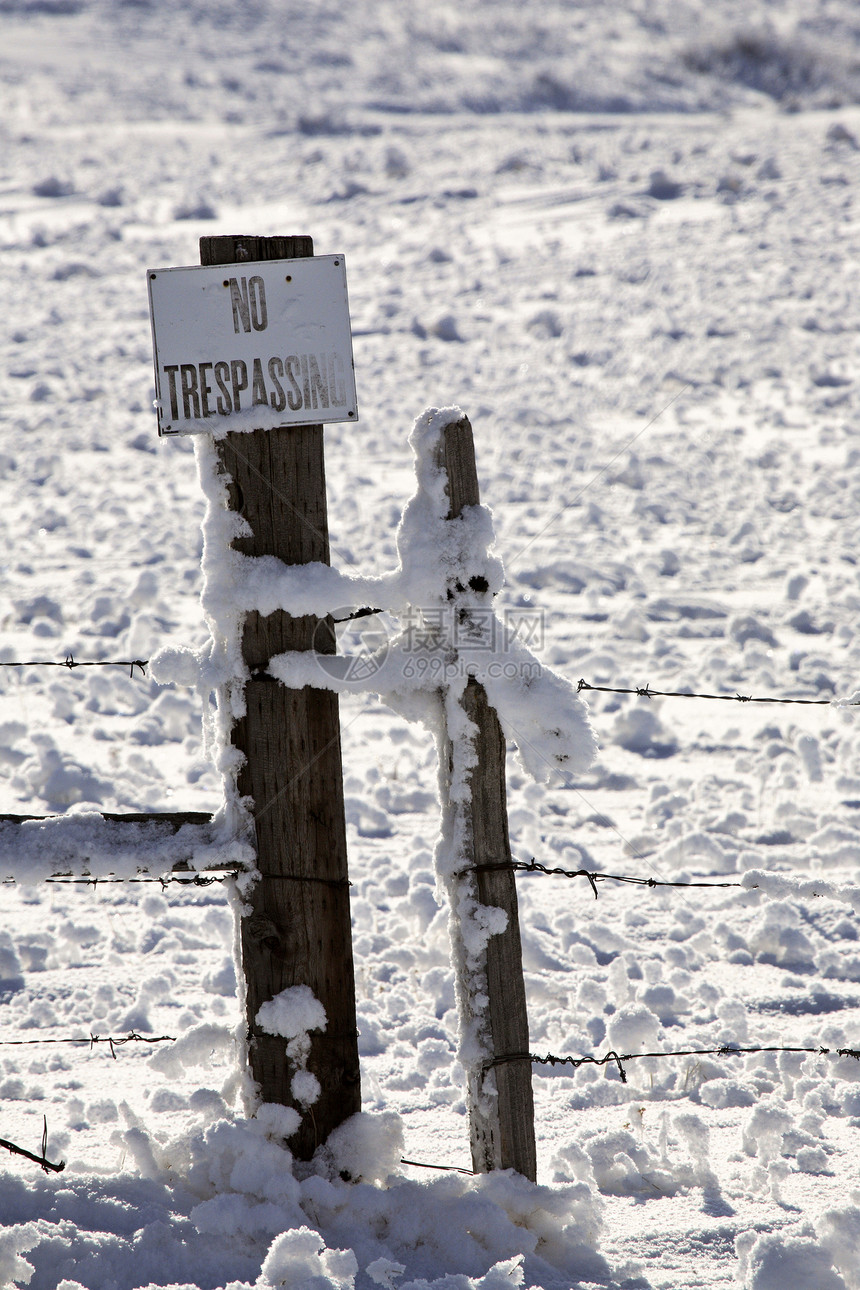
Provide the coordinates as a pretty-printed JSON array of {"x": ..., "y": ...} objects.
[{"x": 624, "y": 241}]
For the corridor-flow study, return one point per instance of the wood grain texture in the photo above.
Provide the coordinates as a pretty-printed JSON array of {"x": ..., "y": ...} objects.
[
  {"x": 298, "y": 930},
  {"x": 505, "y": 986},
  {"x": 509, "y": 1141}
]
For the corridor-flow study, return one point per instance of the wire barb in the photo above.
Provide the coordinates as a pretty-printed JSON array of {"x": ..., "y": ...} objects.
[
  {"x": 47, "y": 1165},
  {"x": 645, "y": 692},
  {"x": 725, "y": 1050},
  {"x": 70, "y": 663},
  {"x": 131, "y": 1038},
  {"x": 593, "y": 876},
  {"x": 166, "y": 880}
]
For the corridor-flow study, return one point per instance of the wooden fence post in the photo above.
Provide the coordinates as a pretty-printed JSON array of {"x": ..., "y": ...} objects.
[
  {"x": 504, "y": 1139},
  {"x": 298, "y": 930}
]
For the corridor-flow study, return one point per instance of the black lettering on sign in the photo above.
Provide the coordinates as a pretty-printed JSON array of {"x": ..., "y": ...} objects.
[
  {"x": 257, "y": 301},
  {"x": 241, "y": 305},
  {"x": 239, "y": 375},
  {"x": 258, "y": 391},
  {"x": 336, "y": 383},
  {"x": 319, "y": 388},
  {"x": 306, "y": 381},
  {"x": 225, "y": 403},
  {"x": 210, "y": 388},
  {"x": 205, "y": 390},
  {"x": 294, "y": 394},
  {"x": 171, "y": 369},
  {"x": 190, "y": 396},
  {"x": 277, "y": 399},
  {"x": 248, "y": 298}
]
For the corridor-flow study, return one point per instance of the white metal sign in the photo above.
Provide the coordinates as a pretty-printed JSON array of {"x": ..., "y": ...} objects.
[{"x": 252, "y": 346}]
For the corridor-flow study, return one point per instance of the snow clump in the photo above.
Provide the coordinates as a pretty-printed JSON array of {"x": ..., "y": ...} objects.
[{"x": 293, "y": 1013}]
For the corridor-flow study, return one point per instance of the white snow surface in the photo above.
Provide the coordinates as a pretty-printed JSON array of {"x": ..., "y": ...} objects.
[{"x": 623, "y": 240}]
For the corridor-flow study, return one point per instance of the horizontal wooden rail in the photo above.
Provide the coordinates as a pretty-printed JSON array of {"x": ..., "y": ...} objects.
[
  {"x": 172, "y": 820},
  {"x": 118, "y": 829}
]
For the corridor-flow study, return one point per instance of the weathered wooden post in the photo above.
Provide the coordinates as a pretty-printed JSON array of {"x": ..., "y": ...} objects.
[
  {"x": 298, "y": 929},
  {"x": 502, "y": 1137}
]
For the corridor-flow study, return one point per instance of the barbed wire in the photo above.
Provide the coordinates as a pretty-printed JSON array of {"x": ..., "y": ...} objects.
[
  {"x": 593, "y": 876},
  {"x": 70, "y": 663},
  {"x": 198, "y": 880},
  {"x": 131, "y": 1038},
  {"x": 167, "y": 880},
  {"x": 180, "y": 880},
  {"x": 645, "y": 692},
  {"x": 195, "y": 880},
  {"x": 725, "y": 1050},
  {"x": 41, "y": 1160}
]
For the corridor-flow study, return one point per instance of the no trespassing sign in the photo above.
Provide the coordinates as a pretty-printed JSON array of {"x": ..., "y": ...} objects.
[{"x": 252, "y": 346}]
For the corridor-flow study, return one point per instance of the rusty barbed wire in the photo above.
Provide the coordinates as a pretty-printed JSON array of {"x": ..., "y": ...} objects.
[
  {"x": 645, "y": 692},
  {"x": 725, "y": 1050},
  {"x": 42, "y": 1160},
  {"x": 593, "y": 876},
  {"x": 131, "y": 1038},
  {"x": 70, "y": 663}
]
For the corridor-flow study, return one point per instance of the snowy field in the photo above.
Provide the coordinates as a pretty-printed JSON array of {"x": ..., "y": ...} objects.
[{"x": 624, "y": 239}]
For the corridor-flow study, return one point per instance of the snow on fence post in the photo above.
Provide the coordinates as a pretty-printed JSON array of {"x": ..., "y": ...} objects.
[
  {"x": 296, "y": 930},
  {"x": 501, "y": 1102}
]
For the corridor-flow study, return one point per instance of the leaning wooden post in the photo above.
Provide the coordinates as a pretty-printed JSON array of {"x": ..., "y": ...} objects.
[
  {"x": 297, "y": 930},
  {"x": 501, "y": 1103}
]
